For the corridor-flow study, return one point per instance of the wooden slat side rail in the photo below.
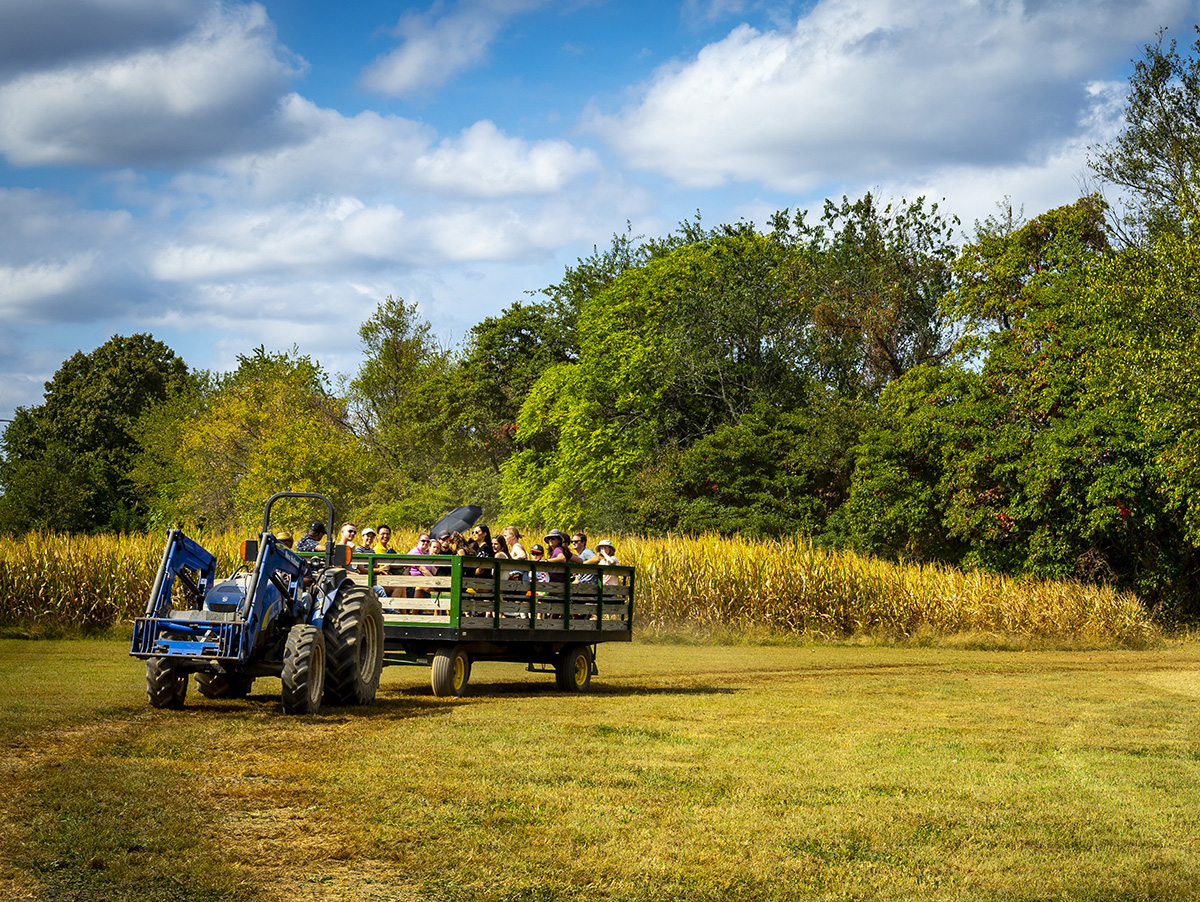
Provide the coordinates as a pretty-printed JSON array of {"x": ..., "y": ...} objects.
[
  {"x": 429, "y": 583},
  {"x": 477, "y": 592},
  {"x": 430, "y": 605},
  {"x": 416, "y": 619}
]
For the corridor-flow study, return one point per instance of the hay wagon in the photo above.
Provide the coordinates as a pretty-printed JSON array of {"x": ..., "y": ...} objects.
[{"x": 548, "y": 616}]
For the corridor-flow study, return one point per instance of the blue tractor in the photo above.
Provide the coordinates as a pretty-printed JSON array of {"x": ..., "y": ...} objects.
[{"x": 302, "y": 620}]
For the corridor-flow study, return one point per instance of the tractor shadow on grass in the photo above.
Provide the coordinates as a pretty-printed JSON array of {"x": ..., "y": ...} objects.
[
  {"x": 388, "y": 705},
  {"x": 413, "y": 702}
]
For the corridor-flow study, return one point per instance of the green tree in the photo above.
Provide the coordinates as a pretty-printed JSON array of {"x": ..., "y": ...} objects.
[
  {"x": 1150, "y": 355},
  {"x": 503, "y": 358},
  {"x": 401, "y": 409},
  {"x": 1031, "y": 463},
  {"x": 700, "y": 330},
  {"x": 775, "y": 471},
  {"x": 1157, "y": 154},
  {"x": 271, "y": 425},
  {"x": 394, "y": 394},
  {"x": 67, "y": 462},
  {"x": 668, "y": 352},
  {"x": 874, "y": 279},
  {"x": 1005, "y": 273},
  {"x": 897, "y": 502}
]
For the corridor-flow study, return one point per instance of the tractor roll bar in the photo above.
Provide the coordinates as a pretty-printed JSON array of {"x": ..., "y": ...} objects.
[{"x": 316, "y": 496}]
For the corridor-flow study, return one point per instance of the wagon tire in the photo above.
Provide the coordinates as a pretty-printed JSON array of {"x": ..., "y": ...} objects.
[
  {"x": 166, "y": 684},
  {"x": 450, "y": 672},
  {"x": 303, "y": 676},
  {"x": 354, "y": 642},
  {"x": 573, "y": 670},
  {"x": 222, "y": 685}
]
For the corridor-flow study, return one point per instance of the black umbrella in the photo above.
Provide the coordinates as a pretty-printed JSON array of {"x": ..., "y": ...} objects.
[{"x": 458, "y": 520}]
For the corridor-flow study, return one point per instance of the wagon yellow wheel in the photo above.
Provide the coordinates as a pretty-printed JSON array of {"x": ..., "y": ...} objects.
[
  {"x": 450, "y": 672},
  {"x": 573, "y": 670}
]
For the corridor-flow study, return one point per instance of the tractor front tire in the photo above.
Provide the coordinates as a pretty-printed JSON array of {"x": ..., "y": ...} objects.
[
  {"x": 573, "y": 671},
  {"x": 354, "y": 640},
  {"x": 450, "y": 672},
  {"x": 303, "y": 676},
  {"x": 223, "y": 685},
  {"x": 166, "y": 684}
]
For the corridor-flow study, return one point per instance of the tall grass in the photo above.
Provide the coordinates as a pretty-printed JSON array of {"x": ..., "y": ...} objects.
[
  {"x": 53, "y": 583},
  {"x": 791, "y": 586}
]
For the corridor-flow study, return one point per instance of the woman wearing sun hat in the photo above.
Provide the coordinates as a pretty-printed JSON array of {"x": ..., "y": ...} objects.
[
  {"x": 608, "y": 558},
  {"x": 559, "y": 553}
]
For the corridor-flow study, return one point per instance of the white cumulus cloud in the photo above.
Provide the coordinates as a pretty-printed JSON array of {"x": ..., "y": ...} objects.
[
  {"x": 212, "y": 90},
  {"x": 878, "y": 87},
  {"x": 295, "y": 237},
  {"x": 22, "y": 286},
  {"x": 485, "y": 162},
  {"x": 369, "y": 154},
  {"x": 41, "y": 34},
  {"x": 436, "y": 47}
]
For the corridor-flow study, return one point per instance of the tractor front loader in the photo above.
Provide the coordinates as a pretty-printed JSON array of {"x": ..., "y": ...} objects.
[{"x": 279, "y": 615}]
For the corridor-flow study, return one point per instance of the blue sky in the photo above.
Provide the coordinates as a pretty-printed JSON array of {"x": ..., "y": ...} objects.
[{"x": 230, "y": 174}]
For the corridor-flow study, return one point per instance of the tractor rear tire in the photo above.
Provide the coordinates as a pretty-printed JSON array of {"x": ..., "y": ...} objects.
[
  {"x": 166, "y": 684},
  {"x": 222, "y": 685},
  {"x": 573, "y": 671},
  {"x": 303, "y": 674},
  {"x": 354, "y": 640},
  {"x": 450, "y": 672}
]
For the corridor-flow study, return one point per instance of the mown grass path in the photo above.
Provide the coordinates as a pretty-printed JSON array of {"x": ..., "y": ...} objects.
[{"x": 709, "y": 772}]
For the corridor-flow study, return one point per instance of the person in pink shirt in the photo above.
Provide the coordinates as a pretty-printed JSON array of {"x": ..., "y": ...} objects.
[{"x": 422, "y": 547}]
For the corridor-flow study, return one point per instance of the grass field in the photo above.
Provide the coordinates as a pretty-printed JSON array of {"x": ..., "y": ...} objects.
[{"x": 689, "y": 772}]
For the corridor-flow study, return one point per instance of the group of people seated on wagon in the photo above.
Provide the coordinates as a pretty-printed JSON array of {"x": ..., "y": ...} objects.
[{"x": 481, "y": 543}]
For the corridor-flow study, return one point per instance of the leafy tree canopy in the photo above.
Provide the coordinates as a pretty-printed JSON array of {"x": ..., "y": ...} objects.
[
  {"x": 874, "y": 279},
  {"x": 269, "y": 426},
  {"x": 67, "y": 461},
  {"x": 1157, "y": 155},
  {"x": 1156, "y": 364},
  {"x": 668, "y": 351},
  {"x": 1033, "y": 463}
]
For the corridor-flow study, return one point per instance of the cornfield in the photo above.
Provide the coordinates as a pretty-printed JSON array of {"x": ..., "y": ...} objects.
[
  {"x": 56, "y": 582},
  {"x": 60, "y": 583},
  {"x": 793, "y": 587}
]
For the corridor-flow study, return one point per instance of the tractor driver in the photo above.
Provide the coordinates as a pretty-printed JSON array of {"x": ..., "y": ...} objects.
[{"x": 312, "y": 538}]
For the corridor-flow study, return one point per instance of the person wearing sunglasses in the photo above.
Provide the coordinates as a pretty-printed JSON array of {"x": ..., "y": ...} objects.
[
  {"x": 537, "y": 554},
  {"x": 424, "y": 546},
  {"x": 481, "y": 535},
  {"x": 585, "y": 554}
]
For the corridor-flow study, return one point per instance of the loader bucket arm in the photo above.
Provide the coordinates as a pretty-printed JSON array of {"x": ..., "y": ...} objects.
[
  {"x": 277, "y": 566},
  {"x": 180, "y": 554}
]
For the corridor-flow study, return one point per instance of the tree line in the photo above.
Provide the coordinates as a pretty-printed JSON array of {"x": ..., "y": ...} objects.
[{"x": 1020, "y": 401}]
